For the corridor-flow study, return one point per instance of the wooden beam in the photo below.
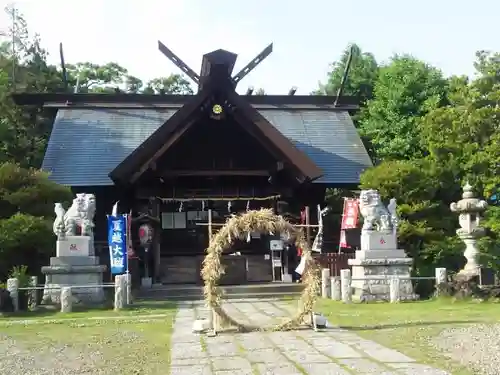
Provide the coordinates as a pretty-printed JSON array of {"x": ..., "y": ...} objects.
[
  {"x": 171, "y": 140},
  {"x": 308, "y": 226},
  {"x": 179, "y": 173},
  {"x": 252, "y": 64},
  {"x": 178, "y": 62},
  {"x": 210, "y": 224}
]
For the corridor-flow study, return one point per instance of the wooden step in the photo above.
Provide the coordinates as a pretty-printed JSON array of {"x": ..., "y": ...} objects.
[{"x": 191, "y": 292}]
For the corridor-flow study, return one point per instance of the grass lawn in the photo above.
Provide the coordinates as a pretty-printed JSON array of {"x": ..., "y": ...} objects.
[
  {"x": 133, "y": 344},
  {"x": 49, "y": 313},
  {"x": 407, "y": 327}
]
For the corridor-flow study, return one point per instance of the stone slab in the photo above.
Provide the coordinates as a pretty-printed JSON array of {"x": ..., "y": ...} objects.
[
  {"x": 215, "y": 349},
  {"x": 92, "y": 293},
  {"x": 380, "y": 262},
  {"x": 271, "y": 369},
  {"x": 365, "y": 366},
  {"x": 338, "y": 350},
  {"x": 74, "y": 261},
  {"x": 74, "y": 246},
  {"x": 307, "y": 357},
  {"x": 230, "y": 363},
  {"x": 333, "y": 351},
  {"x": 416, "y": 369},
  {"x": 381, "y": 353},
  {"x": 187, "y": 350},
  {"x": 191, "y": 370},
  {"x": 232, "y": 372},
  {"x": 323, "y": 369},
  {"x": 375, "y": 240},
  {"x": 266, "y": 356},
  {"x": 179, "y": 362},
  {"x": 380, "y": 254}
]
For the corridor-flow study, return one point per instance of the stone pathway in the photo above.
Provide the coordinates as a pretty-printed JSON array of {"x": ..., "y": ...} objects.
[{"x": 330, "y": 352}]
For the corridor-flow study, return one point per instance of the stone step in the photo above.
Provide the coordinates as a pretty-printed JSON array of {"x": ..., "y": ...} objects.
[{"x": 190, "y": 292}]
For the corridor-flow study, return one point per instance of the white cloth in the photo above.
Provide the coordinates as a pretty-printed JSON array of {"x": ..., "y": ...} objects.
[{"x": 301, "y": 267}]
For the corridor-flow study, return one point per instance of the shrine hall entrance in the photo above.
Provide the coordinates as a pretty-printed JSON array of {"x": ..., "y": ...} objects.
[
  {"x": 214, "y": 170},
  {"x": 185, "y": 236}
]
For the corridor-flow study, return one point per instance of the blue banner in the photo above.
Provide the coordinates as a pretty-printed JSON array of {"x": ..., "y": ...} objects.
[{"x": 117, "y": 241}]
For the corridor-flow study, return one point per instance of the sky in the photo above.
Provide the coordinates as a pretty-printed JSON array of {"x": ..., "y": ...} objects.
[{"x": 307, "y": 35}]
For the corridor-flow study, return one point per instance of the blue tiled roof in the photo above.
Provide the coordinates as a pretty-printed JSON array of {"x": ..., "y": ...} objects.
[{"x": 87, "y": 144}]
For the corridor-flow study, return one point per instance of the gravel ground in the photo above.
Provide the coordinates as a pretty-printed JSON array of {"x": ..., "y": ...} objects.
[
  {"x": 97, "y": 348},
  {"x": 16, "y": 359},
  {"x": 476, "y": 346}
]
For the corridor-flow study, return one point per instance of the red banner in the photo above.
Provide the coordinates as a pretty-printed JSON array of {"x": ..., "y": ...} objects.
[
  {"x": 130, "y": 247},
  {"x": 350, "y": 214},
  {"x": 349, "y": 219}
]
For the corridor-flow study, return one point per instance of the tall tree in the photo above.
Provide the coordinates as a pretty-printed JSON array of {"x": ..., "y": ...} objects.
[
  {"x": 133, "y": 84},
  {"x": 406, "y": 89},
  {"x": 174, "y": 84},
  {"x": 23, "y": 67},
  {"x": 463, "y": 143},
  {"x": 362, "y": 75},
  {"x": 90, "y": 77},
  {"x": 465, "y": 135}
]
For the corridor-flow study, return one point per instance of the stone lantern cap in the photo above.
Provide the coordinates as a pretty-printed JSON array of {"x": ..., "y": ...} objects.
[{"x": 469, "y": 202}]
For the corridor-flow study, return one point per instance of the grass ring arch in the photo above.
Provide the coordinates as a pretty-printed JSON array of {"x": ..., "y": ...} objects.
[{"x": 238, "y": 227}]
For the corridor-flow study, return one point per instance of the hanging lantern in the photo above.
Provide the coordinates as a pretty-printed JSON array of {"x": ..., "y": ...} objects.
[
  {"x": 229, "y": 205},
  {"x": 248, "y": 205},
  {"x": 181, "y": 207},
  {"x": 146, "y": 234}
]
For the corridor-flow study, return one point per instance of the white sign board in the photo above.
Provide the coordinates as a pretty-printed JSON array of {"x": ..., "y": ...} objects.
[
  {"x": 276, "y": 262},
  {"x": 276, "y": 245}
]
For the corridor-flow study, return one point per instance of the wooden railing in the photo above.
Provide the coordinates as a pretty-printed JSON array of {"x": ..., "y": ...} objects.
[{"x": 334, "y": 261}]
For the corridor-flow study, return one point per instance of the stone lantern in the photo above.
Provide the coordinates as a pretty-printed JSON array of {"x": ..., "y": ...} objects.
[{"x": 470, "y": 210}]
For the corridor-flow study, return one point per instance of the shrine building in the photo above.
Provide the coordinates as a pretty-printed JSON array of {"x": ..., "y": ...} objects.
[{"x": 173, "y": 159}]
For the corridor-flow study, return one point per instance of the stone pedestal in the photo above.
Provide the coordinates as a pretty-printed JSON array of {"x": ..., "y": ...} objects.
[
  {"x": 471, "y": 253},
  {"x": 74, "y": 267},
  {"x": 75, "y": 246},
  {"x": 376, "y": 263}
]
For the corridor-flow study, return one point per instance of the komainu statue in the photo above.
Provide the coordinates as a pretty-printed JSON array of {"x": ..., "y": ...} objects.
[
  {"x": 376, "y": 216},
  {"x": 78, "y": 220}
]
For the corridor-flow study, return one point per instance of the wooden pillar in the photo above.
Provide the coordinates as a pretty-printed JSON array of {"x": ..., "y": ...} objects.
[
  {"x": 209, "y": 226},
  {"x": 308, "y": 222},
  {"x": 157, "y": 241}
]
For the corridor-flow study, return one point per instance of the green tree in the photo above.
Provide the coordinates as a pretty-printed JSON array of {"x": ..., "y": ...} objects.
[
  {"x": 465, "y": 135},
  {"x": 90, "y": 77},
  {"x": 133, "y": 84},
  {"x": 406, "y": 89},
  {"x": 462, "y": 142},
  {"x": 260, "y": 91},
  {"x": 362, "y": 75},
  {"x": 27, "y": 200},
  {"x": 427, "y": 228},
  {"x": 174, "y": 84},
  {"x": 23, "y": 67}
]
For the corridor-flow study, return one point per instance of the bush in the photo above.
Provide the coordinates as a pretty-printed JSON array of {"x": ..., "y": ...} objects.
[
  {"x": 24, "y": 239},
  {"x": 27, "y": 200},
  {"x": 29, "y": 191}
]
